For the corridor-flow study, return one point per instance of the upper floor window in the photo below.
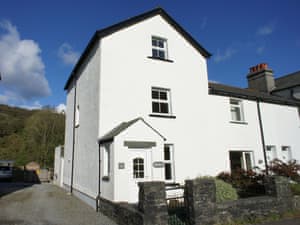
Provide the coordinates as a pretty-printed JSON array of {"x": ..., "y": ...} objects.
[
  {"x": 161, "y": 101},
  {"x": 236, "y": 109},
  {"x": 159, "y": 48}
]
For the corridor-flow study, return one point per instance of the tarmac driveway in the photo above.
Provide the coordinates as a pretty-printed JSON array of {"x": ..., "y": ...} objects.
[{"x": 46, "y": 204}]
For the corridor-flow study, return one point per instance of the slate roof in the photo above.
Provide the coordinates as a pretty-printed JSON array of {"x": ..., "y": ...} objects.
[
  {"x": 121, "y": 127},
  {"x": 129, "y": 22},
  {"x": 287, "y": 81},
  {"x": 245, "y": 93}
]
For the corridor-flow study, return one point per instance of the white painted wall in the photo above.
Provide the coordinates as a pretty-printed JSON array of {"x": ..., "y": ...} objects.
[
  {"x": 123, "y": 177},
  {"x": 86, "y": 146},
  {"x": 126, "y": 89},
  {"x": 107, "y": 186},
  {"x": 58, "y": 166},
  {"x": 201, "y": 132},
  {"x": 281, "y": 128},
  {"x": 69, "y": 134}
]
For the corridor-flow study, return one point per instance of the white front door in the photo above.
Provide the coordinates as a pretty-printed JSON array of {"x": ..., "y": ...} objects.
[{"x": 139, "y": 170}]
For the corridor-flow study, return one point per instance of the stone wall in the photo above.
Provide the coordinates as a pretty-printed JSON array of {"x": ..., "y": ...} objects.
[
  {"x": 151, "y": 210},
  {"x": 201, "y": 205},
  {"x": 203, "y": 209},
  {"x": 121, "y": 213},
  {"x": 296, "y": 202}
]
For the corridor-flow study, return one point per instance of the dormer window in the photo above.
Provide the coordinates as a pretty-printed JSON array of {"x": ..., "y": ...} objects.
[{"x": 159, "y": 48}]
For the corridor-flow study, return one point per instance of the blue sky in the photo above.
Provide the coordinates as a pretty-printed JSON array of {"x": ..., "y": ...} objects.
[{"x": 41, "y": 40}]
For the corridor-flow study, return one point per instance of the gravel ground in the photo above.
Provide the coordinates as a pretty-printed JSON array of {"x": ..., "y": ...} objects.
[{"x": 47, "y": 204}]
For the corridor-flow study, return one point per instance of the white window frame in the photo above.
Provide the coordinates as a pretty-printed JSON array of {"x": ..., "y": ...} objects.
[
  {"x": 271, "y": 152},
  {"x": 169, "y": 161},
  {"x": 77, "y": 116},
  {"x": 238, "y": 106},
  {"x": 158, "y": 100},
  {"x": 106, "y": 160},
  {"x": 244, "y": 162},
  {"x": 158, "y": 48},
  {"x": 286, "y": 148},
  {"x": 138, "y": 171}
]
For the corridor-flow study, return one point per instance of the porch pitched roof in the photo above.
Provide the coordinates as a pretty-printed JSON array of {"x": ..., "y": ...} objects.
[{"x": 123, "y": 126}]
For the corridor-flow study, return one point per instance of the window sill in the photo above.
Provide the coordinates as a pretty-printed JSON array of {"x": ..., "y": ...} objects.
[
  {"x": 161, "y": 59},
  {"x": 105, "y": 178},
  {"x": 163, "y": 116},
  {"x": 238, "y": 122}
]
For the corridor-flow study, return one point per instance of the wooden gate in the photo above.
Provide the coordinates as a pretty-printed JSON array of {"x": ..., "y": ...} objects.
[{"x": 176, "y": 205}]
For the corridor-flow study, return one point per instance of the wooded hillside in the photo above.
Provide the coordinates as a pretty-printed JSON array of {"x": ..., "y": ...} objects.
[{"x": 30, "y": 135}]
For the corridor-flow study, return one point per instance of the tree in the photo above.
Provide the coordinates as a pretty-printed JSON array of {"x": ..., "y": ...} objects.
[{"x": 44, "y": 130}]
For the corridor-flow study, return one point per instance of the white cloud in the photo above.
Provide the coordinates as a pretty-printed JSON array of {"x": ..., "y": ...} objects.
[
  {"x": 227, "y": 54},
  {"x": 21, "y": 66},
  {"x": 35, "y": 105},
  {"x": 67, "y": 54},
  {"x": 214, "y": 81},
  {"x": 266, "y": 30},
  {"x": 260, "y": 49},
  {"x": 61, "y": 108},
  {"x": 3, "y": 99}
]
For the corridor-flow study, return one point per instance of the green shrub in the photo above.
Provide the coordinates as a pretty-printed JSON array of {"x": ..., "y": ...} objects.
[
  {"x": 224, "y": 191},
  {"x": 295, "y": 188},
  {"x": 247, "y": 182}
]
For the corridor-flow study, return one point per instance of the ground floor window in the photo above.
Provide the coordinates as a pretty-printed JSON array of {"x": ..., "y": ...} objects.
[
  {"x": 168, "y": 161},
  {"x": 106, "y": 160},
  {"x": 241, "y": 160},
  {"x": 286, "y": 153},
  {"x": 271, "y": 153}
]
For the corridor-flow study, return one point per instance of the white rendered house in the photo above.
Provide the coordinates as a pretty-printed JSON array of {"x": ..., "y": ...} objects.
[{"x": 140, "y": 108}]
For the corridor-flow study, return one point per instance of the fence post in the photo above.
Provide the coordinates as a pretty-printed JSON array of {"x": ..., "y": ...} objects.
[
  {"x": 200, "y": 197},
  {"x": 152, "y": 202}
]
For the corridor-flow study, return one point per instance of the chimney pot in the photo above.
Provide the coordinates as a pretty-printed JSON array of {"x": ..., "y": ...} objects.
[{"x": 258, "y": 67}]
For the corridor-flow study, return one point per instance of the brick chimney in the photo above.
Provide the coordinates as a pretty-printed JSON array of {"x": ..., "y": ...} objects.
[{"x": 261, "y": 78}]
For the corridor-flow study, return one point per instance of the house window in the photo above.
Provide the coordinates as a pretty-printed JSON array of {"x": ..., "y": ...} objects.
[
  {"x": 106, "y": 160},
  {"x": 138, "y": 168},
  {"x": 241, "y": 160},
  {"x": 159, "y": 48},
  {"x": 286, "y": 153},
  {"x": 168, "y": 161},
  {"x": 236, "y": 109},
  {"x": 271, "y": 153},
  {"x": 161, "y": 101},
  {"x": 77, "y": 116}
]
